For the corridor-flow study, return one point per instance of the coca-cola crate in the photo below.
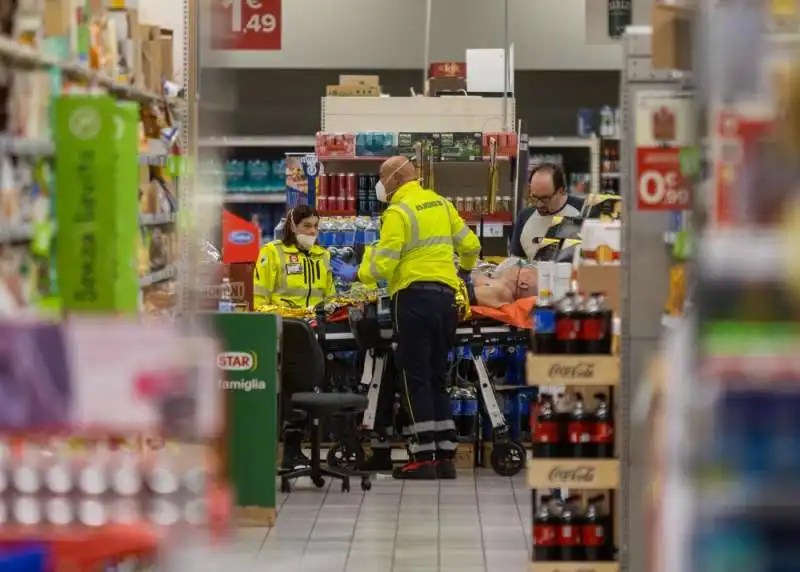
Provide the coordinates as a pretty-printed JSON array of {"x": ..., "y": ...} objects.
[
  {"x": 572, "y": 370},
  {"x": 573, "y": 473}
]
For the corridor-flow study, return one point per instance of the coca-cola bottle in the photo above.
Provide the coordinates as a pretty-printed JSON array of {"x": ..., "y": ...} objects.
[
  {"x": 595, "y": 531},
  {"x": 596, "y": 323},
  {"x": 544, "y": 324},
  {"x": 563, "y": 411},
  {"x": 568, "y": 325},
  {"x": 603, "y": 428},
  {"x": 546, "y": 438},
  {"x": 545, "y": 545},
  {"x": 579, "y": 430},
  {"x": 568, "y": 532}
]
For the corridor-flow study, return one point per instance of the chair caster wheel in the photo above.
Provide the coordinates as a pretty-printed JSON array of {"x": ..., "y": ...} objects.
[
  {"x": 508, "y": 458},
  {"x": 285, "y": 486},
  {"x": 319, "y": 482},
  {"x": 366, "y": 484},
  {"x": 346, "y": 486}
]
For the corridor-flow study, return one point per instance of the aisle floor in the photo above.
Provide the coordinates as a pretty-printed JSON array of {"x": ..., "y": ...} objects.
[{"x": 478, "y": 523}]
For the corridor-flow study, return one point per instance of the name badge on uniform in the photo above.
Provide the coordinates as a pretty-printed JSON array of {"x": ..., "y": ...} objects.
[{"x": 292, "y": 269}]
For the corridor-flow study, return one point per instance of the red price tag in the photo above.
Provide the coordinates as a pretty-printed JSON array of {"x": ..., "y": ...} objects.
[
  {"x": 247, "y": 25},
  {"x": 659, "y": 183}
]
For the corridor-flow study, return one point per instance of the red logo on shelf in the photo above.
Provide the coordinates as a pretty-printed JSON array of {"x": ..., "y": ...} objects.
[
  {"x": 660, "y": 186},
  {"x": 247, "y": 25}
]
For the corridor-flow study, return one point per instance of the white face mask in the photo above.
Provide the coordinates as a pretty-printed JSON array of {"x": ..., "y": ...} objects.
[
  {"x": 306, "y": 241},
  {"x": 380, "y": 192}
]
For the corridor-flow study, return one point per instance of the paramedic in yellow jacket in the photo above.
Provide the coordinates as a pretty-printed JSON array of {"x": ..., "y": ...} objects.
[
  {"x": 294, "y": 271},
  {"x": 420, "y": 233}
]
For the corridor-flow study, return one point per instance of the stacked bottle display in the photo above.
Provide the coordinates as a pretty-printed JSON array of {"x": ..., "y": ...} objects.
[
  {"x": 349, "y": 193},
  {"x": 569, "y": 531},
  {"x": 574, "y": 324}
]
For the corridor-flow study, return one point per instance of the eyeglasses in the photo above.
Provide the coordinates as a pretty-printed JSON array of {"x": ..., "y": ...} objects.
[{"x": 541, "y": 200}]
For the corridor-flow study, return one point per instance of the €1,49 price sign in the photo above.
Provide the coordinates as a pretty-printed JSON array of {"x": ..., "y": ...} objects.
[
  {"x": 660, "y": 186},
  {"x": 247, "y": 25}
]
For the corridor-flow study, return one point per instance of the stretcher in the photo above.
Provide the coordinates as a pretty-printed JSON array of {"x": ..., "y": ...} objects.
[{"x": 508, "y": 457}]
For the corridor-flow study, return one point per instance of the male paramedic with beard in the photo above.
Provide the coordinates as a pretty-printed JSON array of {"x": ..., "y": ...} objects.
[
  {"x": 547, "y": 191},
  {"x": 420, "y": 233}
]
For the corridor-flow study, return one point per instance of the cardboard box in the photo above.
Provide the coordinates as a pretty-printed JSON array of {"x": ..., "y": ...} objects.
[
  {"x": 672, "y": 37},
  {"x": 56, "y": 18},
  {"x": 167, "y": 65},
  {"x": 436, "y": 85},
  {"x": 606, "y": 279},
  {"x": 372, "y": 80},
  {"x": 448, "y": 70},
  {"x": 352, "y": 91}
]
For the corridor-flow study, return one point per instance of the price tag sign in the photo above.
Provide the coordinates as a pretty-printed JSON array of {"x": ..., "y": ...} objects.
[
  {"x": 660, "y": 186},
  {"x": 247, "y": 25}
]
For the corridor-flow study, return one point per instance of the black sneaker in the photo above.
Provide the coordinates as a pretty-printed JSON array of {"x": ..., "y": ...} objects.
[
  {"x": 446, "y": 469},
  {"x": 416, "y": 470},
  {"x": 378, "y": 463}
]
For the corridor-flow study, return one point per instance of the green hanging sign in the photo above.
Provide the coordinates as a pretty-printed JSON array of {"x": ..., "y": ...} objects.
[{"x": 620, "y": 16}]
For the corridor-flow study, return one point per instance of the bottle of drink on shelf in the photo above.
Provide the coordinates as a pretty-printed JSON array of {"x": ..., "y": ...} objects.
[
  {"x": 544, "y": 320},
  {"x": 568, "y": 532},
  {"x": 603, "y": 428},
  {"x": 546, "y": 435},
  {"x": 578, "y": 430},
  {"x": 545, "y": 547},
  {"x": 595, "y": 531},
  {"x": 595, "y": 328},
  {"x": 225, "y": 296},
  {"x": 568, "y": 325}
]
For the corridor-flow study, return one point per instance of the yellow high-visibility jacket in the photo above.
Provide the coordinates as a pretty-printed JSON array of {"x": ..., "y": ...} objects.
[
  {"x": 287, "y": 275},
  {"x": 420, "y": 232}
]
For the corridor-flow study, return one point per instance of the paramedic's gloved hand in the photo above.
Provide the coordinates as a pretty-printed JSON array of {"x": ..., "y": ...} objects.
[
  {"x": 465, "y": 275},
  {"x": 344, "y": 271}
]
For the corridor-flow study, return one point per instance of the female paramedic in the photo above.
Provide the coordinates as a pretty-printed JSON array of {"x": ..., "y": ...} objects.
[{"x": 294, "y": 271}]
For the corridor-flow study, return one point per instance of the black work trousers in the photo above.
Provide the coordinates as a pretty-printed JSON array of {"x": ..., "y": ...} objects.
[{"x": 425, "y": 320}]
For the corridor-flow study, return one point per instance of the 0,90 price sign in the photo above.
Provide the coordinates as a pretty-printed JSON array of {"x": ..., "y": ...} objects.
[
  {"x": 247, "y": 25},
  {"x": 660, "y": 186}
]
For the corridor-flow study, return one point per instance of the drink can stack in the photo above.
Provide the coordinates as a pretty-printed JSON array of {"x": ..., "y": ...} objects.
[{"x": 574, "y": 474}]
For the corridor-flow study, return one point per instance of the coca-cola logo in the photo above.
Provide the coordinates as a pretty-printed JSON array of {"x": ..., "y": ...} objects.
[
  {"x": 580, "y": 474},
  {"x": 577, "y": 371}
]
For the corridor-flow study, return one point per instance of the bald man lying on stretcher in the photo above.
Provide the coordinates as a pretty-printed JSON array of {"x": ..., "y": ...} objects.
[{"x": 506, "y": 284}]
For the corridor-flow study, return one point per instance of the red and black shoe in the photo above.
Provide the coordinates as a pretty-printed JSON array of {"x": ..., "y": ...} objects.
[{"x": 416, "y": 470}]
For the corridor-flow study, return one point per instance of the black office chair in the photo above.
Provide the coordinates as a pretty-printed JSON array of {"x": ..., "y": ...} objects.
[{"x": 303, "y": 366}]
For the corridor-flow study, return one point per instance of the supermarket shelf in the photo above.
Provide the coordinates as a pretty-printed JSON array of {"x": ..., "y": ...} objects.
[
  {"x": 587, "y": 142},
  {"x": 167, "y": 273},
  {"x": 572, "y": 370},
  {"x": 573, "y": 473},
  {"x": 29, "y": 57},
  {"x": 254, "y": 198},
  {"x": 21, "y": 146},
  {"x": 573, "y": 567},
  {"x": 157, "y": 219},
  {"x": 16, "y": 233},
  {"x": 268, "y": 141}
]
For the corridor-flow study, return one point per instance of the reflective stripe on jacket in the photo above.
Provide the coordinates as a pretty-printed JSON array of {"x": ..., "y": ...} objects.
[
  {"x": 420, "y": 232},
  {"x": 287, "y": 275}
]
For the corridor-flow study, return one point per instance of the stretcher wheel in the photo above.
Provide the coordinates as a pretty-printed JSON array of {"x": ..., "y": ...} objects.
[
  {"x": 366, "y": 484},
  {"x": 508, "y": 458},
  {"x": 319, "y": 482},
  {"x": 346, "y": 455},
  {"x": 285, "y": 486}
]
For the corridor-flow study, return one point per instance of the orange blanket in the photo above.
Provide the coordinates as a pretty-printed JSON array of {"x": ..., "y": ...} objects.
[{"x": 515, "y": 314}]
